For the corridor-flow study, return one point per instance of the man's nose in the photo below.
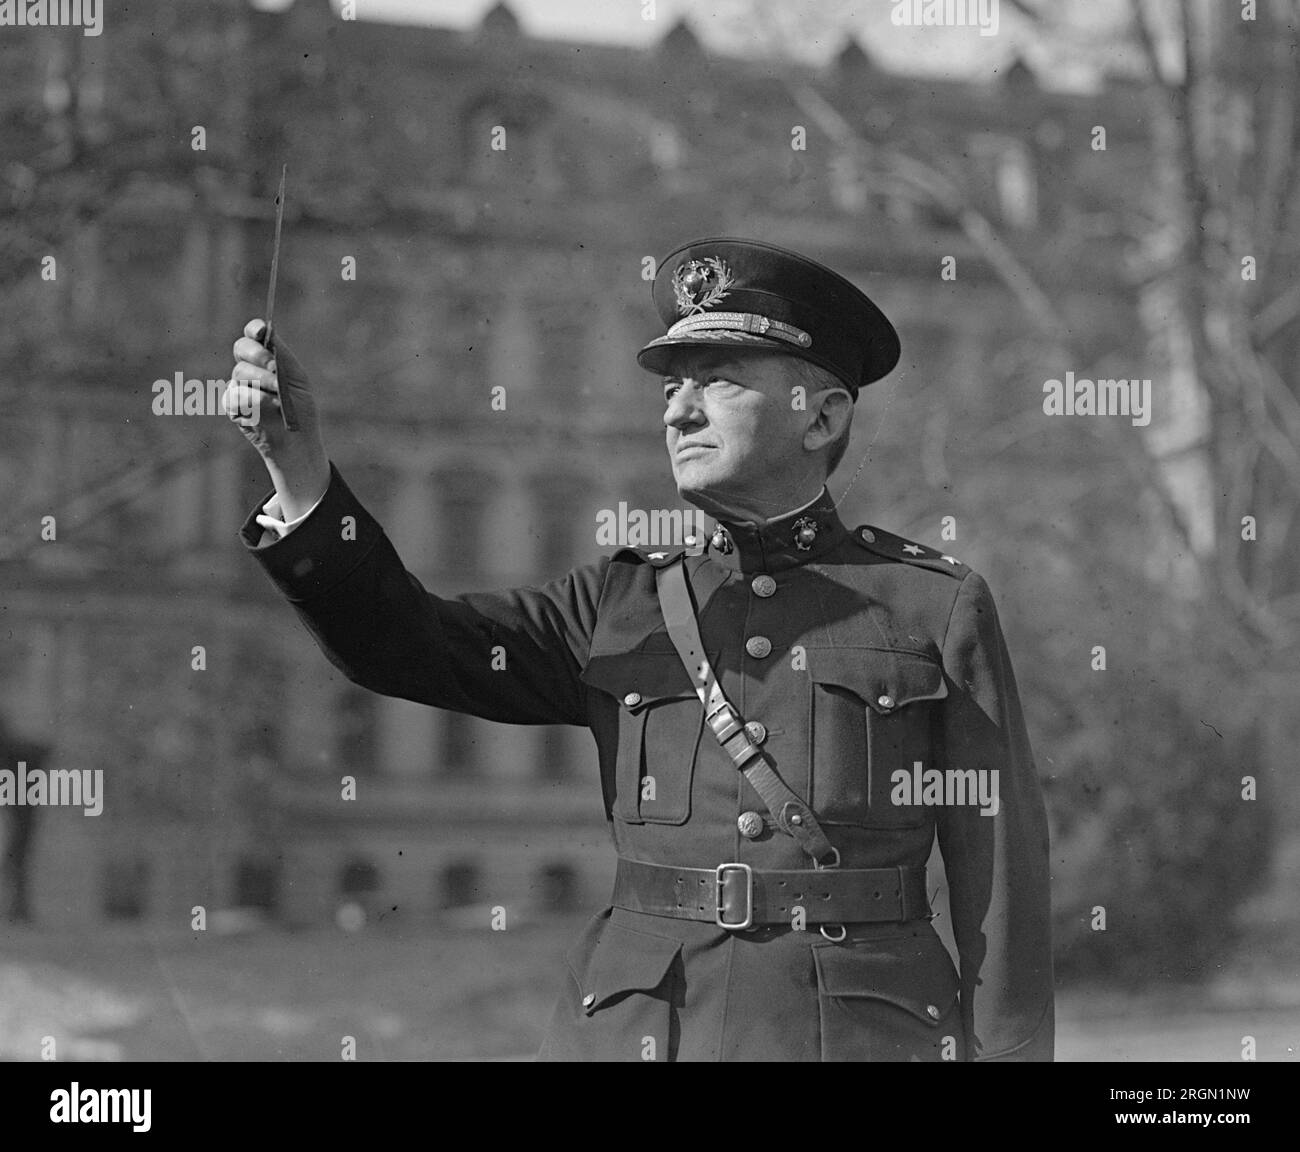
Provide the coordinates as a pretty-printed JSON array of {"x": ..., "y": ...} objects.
[{"x": 683, "y": 409}]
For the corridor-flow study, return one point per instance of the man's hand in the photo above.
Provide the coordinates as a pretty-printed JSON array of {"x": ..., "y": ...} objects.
[{"x": 296, "y": 461}]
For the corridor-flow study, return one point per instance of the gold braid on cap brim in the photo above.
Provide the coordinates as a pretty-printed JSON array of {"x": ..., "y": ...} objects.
[{"x": 722, "y": 323}]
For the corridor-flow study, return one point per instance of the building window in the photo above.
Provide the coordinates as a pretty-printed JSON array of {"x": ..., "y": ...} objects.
[
  {"x": 263, "y": 686},
  {"x": 356, "y": 734},
  {"x": 467, "y": 336},
  {"x": 559, "y": 887},
  {"x": 463, "y": 509},
  {"x": 456, "y": 755},
  {"x": 561, "y": 507},
  {"x": 126, "y": 886},
  {"x": 257, "y": 883},
  {"x": 555, "y": 755},
  {"x": 459, "y": 884},
  {"x": 358, "y": 878}
]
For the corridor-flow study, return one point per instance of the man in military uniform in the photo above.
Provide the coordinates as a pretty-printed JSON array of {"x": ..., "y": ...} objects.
[{"x": 787, "y": 713}]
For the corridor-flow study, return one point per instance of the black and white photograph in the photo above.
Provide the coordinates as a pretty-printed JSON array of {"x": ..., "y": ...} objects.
[{"x": 649, "y": 531}]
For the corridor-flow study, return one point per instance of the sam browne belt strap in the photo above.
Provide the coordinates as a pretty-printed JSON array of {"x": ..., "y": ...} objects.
[{"x": 791, "y": 814}]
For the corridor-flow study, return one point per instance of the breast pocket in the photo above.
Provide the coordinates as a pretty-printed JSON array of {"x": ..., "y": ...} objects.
[
  {"x": 871, "y": 716},
  {"x": 660, "y": 722}
]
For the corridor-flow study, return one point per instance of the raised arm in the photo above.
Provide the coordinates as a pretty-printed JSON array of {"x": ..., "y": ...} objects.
[{"x": 512, "y": 656}]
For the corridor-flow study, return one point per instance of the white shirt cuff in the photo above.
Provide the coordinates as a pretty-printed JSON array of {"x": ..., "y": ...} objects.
[{"x": 272, "y": 518}]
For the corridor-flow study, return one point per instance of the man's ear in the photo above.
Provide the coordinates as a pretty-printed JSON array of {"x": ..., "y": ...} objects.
[{"x": 829, "y": 414}]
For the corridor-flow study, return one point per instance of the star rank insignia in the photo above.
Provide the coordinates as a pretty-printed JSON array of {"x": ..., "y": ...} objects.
[
  {"x": 656, "y": 557},
  {"x": 897, "y": 548}
]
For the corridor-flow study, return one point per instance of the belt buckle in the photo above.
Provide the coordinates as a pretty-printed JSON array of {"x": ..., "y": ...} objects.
[{"x": 720, "y": 876}]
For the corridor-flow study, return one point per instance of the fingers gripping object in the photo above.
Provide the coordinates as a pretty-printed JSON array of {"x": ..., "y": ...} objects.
[{"x": 268, "y": 333}]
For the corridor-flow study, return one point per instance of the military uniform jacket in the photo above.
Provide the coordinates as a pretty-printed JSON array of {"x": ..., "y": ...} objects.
[{"x": 862, "y": 656}]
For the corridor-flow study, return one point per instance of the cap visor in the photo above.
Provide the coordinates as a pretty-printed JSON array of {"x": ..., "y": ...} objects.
[{"x": 657, "y": 356}]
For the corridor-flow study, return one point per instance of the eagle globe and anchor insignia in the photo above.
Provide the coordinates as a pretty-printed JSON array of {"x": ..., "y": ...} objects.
[{"x": 699, "y": 284}]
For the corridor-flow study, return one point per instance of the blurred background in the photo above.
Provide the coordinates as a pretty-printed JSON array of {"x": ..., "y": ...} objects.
[{"x": 1109, "y": 193}]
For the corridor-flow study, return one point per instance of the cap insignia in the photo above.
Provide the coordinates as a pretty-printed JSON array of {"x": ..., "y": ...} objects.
[{"x": 699, "y": 284}]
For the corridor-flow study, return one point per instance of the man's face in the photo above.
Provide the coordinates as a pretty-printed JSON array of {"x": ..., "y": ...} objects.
[{"x": 732, "y": 432}]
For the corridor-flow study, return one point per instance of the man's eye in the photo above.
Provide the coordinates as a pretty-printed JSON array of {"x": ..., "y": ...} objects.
[{"x": 670, "y": 390}]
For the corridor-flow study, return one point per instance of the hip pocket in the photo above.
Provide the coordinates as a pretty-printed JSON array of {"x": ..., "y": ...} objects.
[
  {"x": 625, "y": 990},
  {"x": 890, "y": 999}
]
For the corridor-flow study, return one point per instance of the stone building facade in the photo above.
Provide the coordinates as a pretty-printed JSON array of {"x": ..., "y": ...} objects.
[{"x": 470, "y": 316}]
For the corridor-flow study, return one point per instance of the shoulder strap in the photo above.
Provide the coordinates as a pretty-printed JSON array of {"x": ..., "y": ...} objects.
[{"x": 791, "y": 814}]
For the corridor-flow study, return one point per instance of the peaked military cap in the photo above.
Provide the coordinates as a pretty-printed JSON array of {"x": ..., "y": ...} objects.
[{"x": 726, "y": 292}]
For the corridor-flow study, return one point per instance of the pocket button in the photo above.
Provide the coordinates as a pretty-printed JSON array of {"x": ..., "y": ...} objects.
[
  {"x": 886, "y": 701},
  {"x": 632, "y": 699}
]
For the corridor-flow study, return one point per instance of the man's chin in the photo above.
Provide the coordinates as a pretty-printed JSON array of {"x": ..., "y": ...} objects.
[
  {"x": 704, "y": 494},
  {"x": 692, "y": 483}
]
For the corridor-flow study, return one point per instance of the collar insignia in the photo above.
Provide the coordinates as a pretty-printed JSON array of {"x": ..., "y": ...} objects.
[
  {"x": 699, "y": 284},
  {"x": 721, "y": 541},
  {"x": 805, "y": 532}
]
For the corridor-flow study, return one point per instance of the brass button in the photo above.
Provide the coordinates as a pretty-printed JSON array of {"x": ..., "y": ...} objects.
[
  {"x": 886, "y": 701},
  {"x": 632, "y": 699},
  {"x": 589, "y": 999},
  {"x": 763, "y": 585},
  {"x": 932, "y": 1011},
  {"x": 756, "y": 732},
  {"x": 796, "y": 819},
  {"x": 758, "y": 647},
  {"x": 750, "y": 825},
  {"x": 868, "y": 535}
]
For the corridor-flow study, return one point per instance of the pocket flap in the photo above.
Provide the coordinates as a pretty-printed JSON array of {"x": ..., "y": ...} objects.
[
  {"x": 885, "y": 678},
  {"x": 639, "y": 679},
  {"x": 911, "y": 974},
  {"x": 625, "y": 961}
]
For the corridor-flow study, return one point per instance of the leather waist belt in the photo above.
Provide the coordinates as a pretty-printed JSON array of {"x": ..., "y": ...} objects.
[{"x": 737, "y": 896}]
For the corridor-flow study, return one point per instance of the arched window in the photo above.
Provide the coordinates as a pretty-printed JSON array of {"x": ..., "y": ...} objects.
[{"x": 508, "y": 143}]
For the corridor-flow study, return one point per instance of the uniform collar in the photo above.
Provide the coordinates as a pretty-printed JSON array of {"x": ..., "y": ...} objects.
[{"x": 800, "y": 536}]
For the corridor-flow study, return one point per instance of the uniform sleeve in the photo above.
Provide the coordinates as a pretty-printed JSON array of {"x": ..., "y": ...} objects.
[
  {"x": 997, "y": 866},
  {"x": 512, "y": 656}
]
